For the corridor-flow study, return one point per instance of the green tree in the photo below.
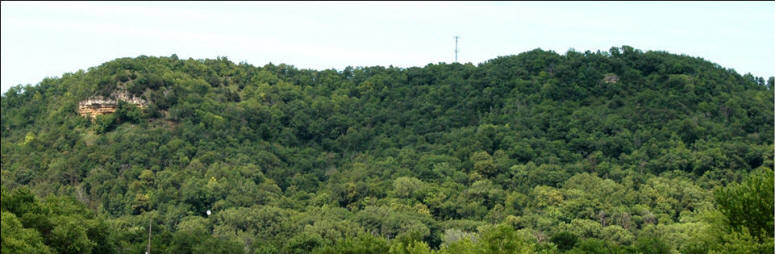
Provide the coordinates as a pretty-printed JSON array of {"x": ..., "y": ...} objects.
[
  {"x": 564, "y": 240},
  {"x": 651, "y": 245},
  {"x": 749, "y": 205},
  {"x": 503, "y": 239},
  {"x": 17, "y": 239}
]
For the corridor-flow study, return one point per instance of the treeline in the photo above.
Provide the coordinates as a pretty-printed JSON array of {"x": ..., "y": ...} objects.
[{"x": 597, "y": 152}]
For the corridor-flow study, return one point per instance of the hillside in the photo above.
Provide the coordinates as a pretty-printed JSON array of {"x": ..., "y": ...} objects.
[{"x": 597, "y": 152}]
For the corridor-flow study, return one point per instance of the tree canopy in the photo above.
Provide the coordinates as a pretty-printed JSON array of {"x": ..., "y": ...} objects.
[{"x": 622, "y": 151}]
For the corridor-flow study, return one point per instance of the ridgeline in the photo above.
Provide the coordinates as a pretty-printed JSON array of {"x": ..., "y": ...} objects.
[{"x": 597, "y": 152}]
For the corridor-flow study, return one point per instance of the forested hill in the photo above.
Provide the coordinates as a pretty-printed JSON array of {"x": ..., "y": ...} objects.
[{"x": 598, "y": 152}]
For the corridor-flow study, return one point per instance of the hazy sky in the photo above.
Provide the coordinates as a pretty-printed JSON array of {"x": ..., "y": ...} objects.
[{"x": 41, "y": 39}]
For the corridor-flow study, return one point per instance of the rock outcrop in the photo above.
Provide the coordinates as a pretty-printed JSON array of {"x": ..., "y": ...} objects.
[
  {"x": 611, "y": 78},
  {"x": 100, "y": 105}
]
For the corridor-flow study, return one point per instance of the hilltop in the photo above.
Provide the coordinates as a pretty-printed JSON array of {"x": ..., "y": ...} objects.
[{"x": 624, "y": 150}]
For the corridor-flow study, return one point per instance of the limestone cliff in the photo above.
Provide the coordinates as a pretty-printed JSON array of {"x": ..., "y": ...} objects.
[
  {"x": 100, "y": 105},
  {"x": 611, "y": 78}
]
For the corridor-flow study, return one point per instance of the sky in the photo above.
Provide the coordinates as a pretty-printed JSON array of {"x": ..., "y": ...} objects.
[{"x": 48, "y": 39}]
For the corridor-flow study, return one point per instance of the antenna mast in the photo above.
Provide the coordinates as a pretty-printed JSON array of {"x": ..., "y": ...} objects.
[{"x": 456, "y": 37}]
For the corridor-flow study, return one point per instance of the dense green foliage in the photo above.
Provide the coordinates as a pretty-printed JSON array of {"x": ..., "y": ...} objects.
[{"x": 598, "y": 152}]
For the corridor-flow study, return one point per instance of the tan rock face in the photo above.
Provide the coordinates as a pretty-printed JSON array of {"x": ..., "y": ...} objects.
[
  {"x": 92, "y": 110},
  {"x": 98, "y": 105},
  {"x": 611, "y": 78}
]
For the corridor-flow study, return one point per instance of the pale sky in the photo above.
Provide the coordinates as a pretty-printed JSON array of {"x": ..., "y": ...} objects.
[{"x": 47, "y": 39}]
